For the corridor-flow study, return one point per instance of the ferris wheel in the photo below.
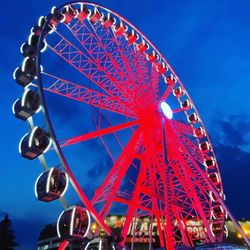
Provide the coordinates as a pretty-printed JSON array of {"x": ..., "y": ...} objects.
[{"x": 97, "y": 93}]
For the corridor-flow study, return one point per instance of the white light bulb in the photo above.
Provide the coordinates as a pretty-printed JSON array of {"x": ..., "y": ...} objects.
[{"x": 167, "y": 111}]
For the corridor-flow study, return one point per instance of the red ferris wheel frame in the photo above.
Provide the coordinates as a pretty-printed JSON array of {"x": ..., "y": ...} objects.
[{"x": 178, "y": 177}]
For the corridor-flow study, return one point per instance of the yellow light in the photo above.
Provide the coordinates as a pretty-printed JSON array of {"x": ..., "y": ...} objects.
[
  {"x": 239, "y": 235},
  {"x": 93, "y": 227}
]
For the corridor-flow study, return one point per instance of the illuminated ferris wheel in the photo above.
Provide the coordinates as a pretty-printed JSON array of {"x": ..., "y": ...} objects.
[{"x": 96, "y": 88}]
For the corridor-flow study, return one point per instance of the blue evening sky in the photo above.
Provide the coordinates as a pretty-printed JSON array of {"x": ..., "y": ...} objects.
[{"x": 207, "y": 43}]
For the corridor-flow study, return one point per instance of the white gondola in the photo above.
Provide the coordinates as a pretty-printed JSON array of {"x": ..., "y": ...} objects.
[
  {"x": 205, "y": 147},
  {"x": 37, "y": 29},
  {"x": 178, "y": 92},
  {"x": 214, "y": 178},
  {"x": 108, "y": 21},
  {"x": 25, "y": 74},
  {"x": 210, "y": 162},
  {"x": 34, "y": 143},
  {"x": 152, "y": 57},
  {"x": 69, "y": 14},
  {"x": 199, "y": 132},
  {"x": 120, "y": 29},
  {"x": 95, "y": 16},
  {"x": 161, "y": 68},
  {"x": 217, "y": 211},
  {"x": 51, "y": 185},
  {"x": 132, "y": 37},
  {"x": 170, "y": 80},
  {"x": 193, "y": 118},
  {"x": 186, "y": 105},
  {"x": 73, "y": 224},
  {"x": 55, "y": 18},
  {"x": 216, "y": 228},
  {"x": 143, "y": 46},
  {"x": 29, "y": 49},
  {"x": 27, "y": 105},
  {"x": 83, "y": 13},
  {"x": 97, "y": 244}
]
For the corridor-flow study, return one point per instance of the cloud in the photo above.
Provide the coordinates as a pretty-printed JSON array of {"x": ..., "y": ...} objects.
[
  {"x": 55, "y": 104},
  {"x": 100, "y": 168},
  {"x": 233, "y": 155},
  {"x": 96, "y": 175},
  {"x": 232, "y": 130},
  {"x": 99, "y": 172},
  {"x": 232, "y": 134},
  {"x": 235, "y": 171}
]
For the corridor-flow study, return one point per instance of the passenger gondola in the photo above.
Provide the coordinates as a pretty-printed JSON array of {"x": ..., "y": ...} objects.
[
  {"x": 34, "y": 143},
  {"x": 51, "y": 185},
  {"x": 73, "y": 224},
  {"x": 25, "y": 74},
  {"x": 178, "y": 92},
  {"x": 27, "y": 105},
  {"x": 186, "y": 105}
]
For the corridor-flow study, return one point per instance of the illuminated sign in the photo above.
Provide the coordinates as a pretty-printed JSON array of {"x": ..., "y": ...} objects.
[{"x": 140, "y": 227}]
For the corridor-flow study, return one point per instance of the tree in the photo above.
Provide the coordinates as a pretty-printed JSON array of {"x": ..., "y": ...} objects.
[{"x": 7, "y": 236}]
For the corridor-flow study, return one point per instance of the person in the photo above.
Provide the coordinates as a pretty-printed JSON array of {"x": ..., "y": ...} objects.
[
  {"x": 77, "y": 223},
  {"x": 53, "y": 185}
]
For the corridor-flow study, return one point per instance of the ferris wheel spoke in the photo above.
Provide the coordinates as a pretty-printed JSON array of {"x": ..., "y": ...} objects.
[
  {"x": 168, "y": 211},
  {"x": 112, "y": 182},
  {"x": 178, "y": 110},
  {"x": 97, "y": 133},
  {"x": 184, "y": 176},
  {"x": 170, "y": 201},
  {"x": 193, "y": 156},
  {"x": 183, "y": 128},
  {"x": 216, "y": 192},
  {"x": 158, "y": 220},
  {"x": 144, "y": 77},
  {"x": 193, "y": 149},
  {"x": 166, "y": 93},
  {"x": 133, "y": 64},
  {"x": 185, "y": 234},
  {"x": 85, "y": 65},
  {"x": 121, "y": 48},
  {"x": 198, "y": 182},
  {"x": 142, "y": 181},
  {"x": 98, "y": 124},
  {"x": 191, "y": 161},
  {"x": 86, "y": 95},
  {"x": 191, "y": 193},
  {"x": 127, "y": 202},
  {"x": 133, "y": 206},
  {"x": 195, "y": 173},
  {"x": 108, "y": 122},
  {"x": 92, "y": 43}
]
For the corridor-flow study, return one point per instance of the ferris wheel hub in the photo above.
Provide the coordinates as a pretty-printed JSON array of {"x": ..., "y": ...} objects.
[{"x": 166, "y": 110}]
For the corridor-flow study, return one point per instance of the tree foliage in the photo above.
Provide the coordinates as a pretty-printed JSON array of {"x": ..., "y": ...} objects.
[{"x": 7, "y": 235}]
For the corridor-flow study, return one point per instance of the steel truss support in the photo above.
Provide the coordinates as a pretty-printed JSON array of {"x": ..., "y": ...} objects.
[
  {"x": 178, "y": 163},
  {"x": 86, "y": 95}
]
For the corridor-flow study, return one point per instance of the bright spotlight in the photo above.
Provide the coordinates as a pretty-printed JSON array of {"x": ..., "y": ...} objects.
[{"x": 167, "y": 111}]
